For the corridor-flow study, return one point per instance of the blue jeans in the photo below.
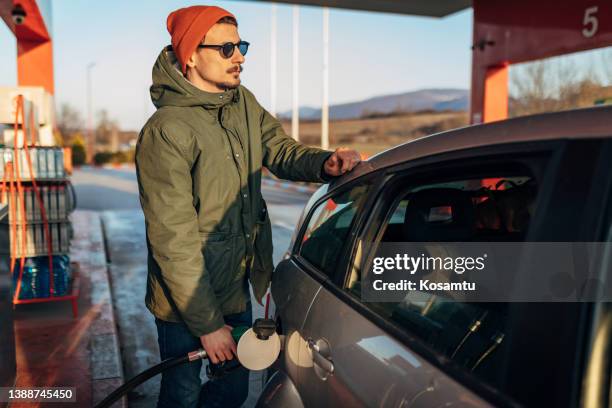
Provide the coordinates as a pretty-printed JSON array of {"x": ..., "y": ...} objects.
[{"x": 181, "y": 386}]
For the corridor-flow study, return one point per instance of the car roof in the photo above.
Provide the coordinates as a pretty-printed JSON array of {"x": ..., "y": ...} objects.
[{"x": 594, "y": 122}]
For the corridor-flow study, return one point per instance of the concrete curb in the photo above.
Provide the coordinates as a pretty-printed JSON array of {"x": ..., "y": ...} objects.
[
  {"x": 105, "y": 356},
  {"x": 127, "y": 266}
]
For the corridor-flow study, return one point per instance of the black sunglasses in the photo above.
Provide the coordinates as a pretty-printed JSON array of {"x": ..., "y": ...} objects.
[{"x": 227, "y": 49}]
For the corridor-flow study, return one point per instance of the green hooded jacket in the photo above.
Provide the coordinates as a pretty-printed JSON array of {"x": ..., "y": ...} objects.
[{"x": 198, "y": 161}]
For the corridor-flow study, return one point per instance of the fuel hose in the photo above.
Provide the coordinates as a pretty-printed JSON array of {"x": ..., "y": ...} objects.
[
  {"x": 142, "y": 377},
  {"x": 263, "y": 330}
]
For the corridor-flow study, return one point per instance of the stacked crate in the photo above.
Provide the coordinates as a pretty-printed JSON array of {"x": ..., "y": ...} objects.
[
  {"x": 57, "y": 201},
  {"x": 35, "y": 235}
]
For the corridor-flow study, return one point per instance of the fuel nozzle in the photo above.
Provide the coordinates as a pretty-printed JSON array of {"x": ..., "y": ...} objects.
[
  {"x": 238, "y": 331},
  {"x": 264, "y": 328}
]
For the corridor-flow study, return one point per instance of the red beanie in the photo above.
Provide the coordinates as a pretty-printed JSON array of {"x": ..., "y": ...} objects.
[{"x": 189, "y": 25}]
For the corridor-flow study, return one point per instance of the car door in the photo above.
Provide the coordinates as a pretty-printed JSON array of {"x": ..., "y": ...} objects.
[
  {"x": 293, "y": 292},
  {"x": 425, "y": 351},
  {"x": 596, "y": 387},
  {"x": 346, "y": 359},
  {"x": 345, "y": 379}
]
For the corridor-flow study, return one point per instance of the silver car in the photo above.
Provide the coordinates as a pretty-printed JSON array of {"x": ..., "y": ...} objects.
[{"x": 539, "y": 179}]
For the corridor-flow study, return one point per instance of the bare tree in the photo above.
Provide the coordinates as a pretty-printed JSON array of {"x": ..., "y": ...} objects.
[
  {"x": 531, "y": 85},
  {"x": 106, "y": 131},
  {"x": 69, "y": 122},
  {"x": 607, "y": 64},
  {"x": 557, "y": 84}
]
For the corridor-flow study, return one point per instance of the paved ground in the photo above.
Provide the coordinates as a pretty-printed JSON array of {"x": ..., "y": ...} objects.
[
  {"x": 53, "y": 349},
  {"x": 115, "y": 194}
]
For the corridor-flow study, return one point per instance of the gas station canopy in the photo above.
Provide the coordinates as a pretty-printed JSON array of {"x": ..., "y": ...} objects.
[
  {"x": 428, "y": 8},
  {"x": 504, "y": 33},
  {"x": 33, "y": 32}
]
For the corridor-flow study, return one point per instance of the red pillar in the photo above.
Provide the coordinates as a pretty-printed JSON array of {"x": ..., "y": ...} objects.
[
  {"x": 489, "y": 88},
  {"x": 495, "y": 103},
  {"x": 34, "y": 43},
  {"x": 35, "y": 64},
  {"x": 489, "y": 94}
]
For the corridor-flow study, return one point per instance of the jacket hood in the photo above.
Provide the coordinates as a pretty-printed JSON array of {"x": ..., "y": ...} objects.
[{"x": 171, "y": 88}]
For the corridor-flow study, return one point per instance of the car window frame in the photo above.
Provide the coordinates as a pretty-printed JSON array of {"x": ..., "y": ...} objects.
[
  {"x": 398, "y": 194},
  {"x": 382, "y": 211},
  {"x": 596, "y": 384},
  {"x": 554, "y": 147},
  {"x": 332, "y": 281}
]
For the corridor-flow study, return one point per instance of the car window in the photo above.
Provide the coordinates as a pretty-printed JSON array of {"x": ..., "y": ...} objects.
[
  {"x": 477, "y": 209},
  {"x": 328, "y": 228}
]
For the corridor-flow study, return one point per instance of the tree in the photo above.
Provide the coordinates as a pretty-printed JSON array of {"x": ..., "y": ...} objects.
[
  {"x": 106, "y": 129},
  {"x": 58, "y": 138},
  {"x": 79, "y": 156},
  {"x": 607, "y": 64},
  {"x": 532, "y": 84},
  {"x": 101, "y": 158},
  {"x": 120, "y": 157},
  {"x": 69, "y": 122},
  {"x": 555, "y": 85}
]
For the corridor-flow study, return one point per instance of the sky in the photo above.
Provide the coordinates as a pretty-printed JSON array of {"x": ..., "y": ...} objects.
[{"x": 371, "y": 54}]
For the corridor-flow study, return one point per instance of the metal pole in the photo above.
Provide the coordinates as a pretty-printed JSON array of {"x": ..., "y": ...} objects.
[
  {"x": 273, "y": 61},
  {"x": 145, "y": 106},
  {"x": 325, "y": 107},
  {"x": 295, "y": 116},
  {"x": 89, "y": 150}
]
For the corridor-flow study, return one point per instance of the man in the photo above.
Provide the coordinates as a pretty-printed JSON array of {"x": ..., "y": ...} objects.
[{"x": 199, "y": 160}]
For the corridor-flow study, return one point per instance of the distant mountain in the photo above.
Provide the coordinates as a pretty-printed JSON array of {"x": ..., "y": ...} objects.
[{"x": 434, "y": 99}]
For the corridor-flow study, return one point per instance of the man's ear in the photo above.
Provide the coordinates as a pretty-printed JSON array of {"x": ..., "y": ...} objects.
[{"x": 191, "y": 61}]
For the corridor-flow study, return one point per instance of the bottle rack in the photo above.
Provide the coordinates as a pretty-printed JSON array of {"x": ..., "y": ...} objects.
[{"x": 37, "y": 230}]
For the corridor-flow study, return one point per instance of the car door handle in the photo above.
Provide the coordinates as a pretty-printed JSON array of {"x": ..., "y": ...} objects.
[{"x": 319, "y": 359}]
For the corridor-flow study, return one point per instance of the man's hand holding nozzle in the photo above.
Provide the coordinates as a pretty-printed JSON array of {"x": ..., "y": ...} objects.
[{"x": 219, "y": 345}]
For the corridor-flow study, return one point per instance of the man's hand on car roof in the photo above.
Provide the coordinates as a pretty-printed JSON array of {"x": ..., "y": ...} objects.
[{"x": 341, "y": 161}]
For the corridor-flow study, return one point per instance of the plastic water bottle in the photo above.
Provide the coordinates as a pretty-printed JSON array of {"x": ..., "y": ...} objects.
[
  {"x": 60, "y": 275},
  {"x": 29, "y": 280},
  {"x": 43, "y": 276},
  {"x": 35, "y": 281},
  {"x": 66, "y": 262}
]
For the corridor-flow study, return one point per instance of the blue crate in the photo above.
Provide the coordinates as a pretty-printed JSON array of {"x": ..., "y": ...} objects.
[{"x": 35, "y": 279}]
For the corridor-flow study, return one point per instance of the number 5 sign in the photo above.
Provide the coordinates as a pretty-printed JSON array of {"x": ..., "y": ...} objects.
[
  {"x": 511, "y": 32},
  {"x": 590, "y": 22},
  {"x": 526, "y": 30}
]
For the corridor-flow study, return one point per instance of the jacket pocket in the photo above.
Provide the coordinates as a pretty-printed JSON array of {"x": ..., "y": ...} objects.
[
  {"x": 218, "y": 253},
  {"x": 262, "y": 265}
]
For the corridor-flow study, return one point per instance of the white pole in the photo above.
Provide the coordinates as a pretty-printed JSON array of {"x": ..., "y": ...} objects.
[
  {"x": 145, "y": 106},
  {"x": 325, "y": 107},
  {"x": 295, "y": 116},
  {"x": 273, "y": 61}
]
